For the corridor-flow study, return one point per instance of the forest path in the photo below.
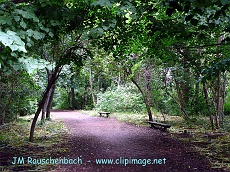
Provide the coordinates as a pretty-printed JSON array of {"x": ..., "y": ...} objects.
[{"x": 94, "y": 138}]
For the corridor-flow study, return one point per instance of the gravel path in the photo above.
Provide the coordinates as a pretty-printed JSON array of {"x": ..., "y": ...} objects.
[{"x": 127, "y": 147}]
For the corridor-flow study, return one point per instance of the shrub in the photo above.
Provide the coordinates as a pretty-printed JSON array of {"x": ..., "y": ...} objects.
[
  {"x": 61, "y": 99},
  {"x": 227, "y": 108},
  {"x": 121, "y": 99}
]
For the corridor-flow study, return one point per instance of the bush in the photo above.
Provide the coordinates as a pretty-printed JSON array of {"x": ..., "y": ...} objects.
[
  {"x": 121, "y": 99},
  {"x": 227, "y": 108},
  {"x": 61, "y": 99}
]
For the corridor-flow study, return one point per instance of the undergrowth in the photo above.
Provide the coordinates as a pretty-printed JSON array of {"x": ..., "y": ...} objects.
[{"x": 14, "y": 143}]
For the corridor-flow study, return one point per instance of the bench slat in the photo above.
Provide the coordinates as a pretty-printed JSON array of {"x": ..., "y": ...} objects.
[
  {"x": 104, "y": 112},
  {"x": 160, "y": 124},
  {"x": 107, "y": 113}
]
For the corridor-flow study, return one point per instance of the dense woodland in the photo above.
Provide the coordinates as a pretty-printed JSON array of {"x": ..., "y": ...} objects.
[{"x": 129, "y": 56}]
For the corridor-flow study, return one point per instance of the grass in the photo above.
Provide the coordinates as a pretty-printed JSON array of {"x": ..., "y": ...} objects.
[
  {"x": 121, "y": 116},
  {"x": 14, "y": 143},
  {"x": 135, "y": 118},
  {"x": 215, "y": 145}
]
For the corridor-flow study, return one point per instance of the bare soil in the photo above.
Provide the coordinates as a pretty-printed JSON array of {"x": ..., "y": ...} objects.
[{"x": 93, "y": 138}]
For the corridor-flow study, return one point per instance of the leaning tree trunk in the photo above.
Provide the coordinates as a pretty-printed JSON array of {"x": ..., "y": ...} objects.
[
  {"x": 45, "y": 106},
  {"x": 49, "y": 104},
  {"x": 146, "y": 96},
  {"x": 148, "y": 90},
  {"x": 43, "y": 114},
  {"x": 42, "y": 102},
  {"x": 146, "y": 100},
  {"x": 44, "y": 109}
]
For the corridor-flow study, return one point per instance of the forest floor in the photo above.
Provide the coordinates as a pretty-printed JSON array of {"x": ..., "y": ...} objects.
[{"x": 102, "y": 144}]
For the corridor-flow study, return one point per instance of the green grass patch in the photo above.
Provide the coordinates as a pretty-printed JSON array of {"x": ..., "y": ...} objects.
[
  {"x": 48, "y": 140},
  {"x": 89, "y": 112},
  {"x": 137, "y": 119}
]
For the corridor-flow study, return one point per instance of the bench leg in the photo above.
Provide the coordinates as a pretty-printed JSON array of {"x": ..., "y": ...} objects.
[{"x": 152, "y": 126}]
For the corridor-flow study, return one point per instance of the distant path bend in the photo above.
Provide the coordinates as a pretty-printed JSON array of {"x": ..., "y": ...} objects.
[{"x": 95, "y": 138}]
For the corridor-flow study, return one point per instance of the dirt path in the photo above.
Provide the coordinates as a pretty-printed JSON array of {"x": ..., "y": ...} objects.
[{"x": 95, "y": 138}]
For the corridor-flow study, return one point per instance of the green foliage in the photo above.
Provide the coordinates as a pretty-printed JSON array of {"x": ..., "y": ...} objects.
[
  {"x": 18, "y": 93},
  {"x": 31, "y": 64},
  {"x": 4, "y": 139},
  {"x": 214, "y": 69},
  {"x": 121, "y": 99},
  {"x": 25, "y": 26},
  {"x": 11, "y": 40},
  {"x": 20, "y": 28},
  {"x": 227, "y": 103},
  {"x": 61, "y": 99},
  {"x": 227, "y": 108}
]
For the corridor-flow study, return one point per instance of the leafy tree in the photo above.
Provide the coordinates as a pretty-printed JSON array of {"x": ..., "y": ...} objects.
[
  {"x": 17, "y": 94},
  {"x": 175, "y": 32}
]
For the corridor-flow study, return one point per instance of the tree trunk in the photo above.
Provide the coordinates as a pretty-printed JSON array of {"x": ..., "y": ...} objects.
[
  {"x": 98, "y": 83},
  {"x": 91, "y": 87},
  {"x": 119, "y": 79},
  {"x": 219, "y": 99},
  {"x": 219, "y": 96},
  {"x": 148, "y": 89},
  {"x": 2, "y": 117},
  {"x": 68, "y": 98},
  {"x": 43, "y": 114},
  {"x": 209, "y": 106},
  {"x": 148, "y": 107},
  {"x": 53, "y": 79},
  {"x": 223, "y": 92},
  {"x": 181, "y": 101},
  {"x": 44, "y": 108},
  {"x": 196, "y": 96},
  {"x": 217, "y": 117},
  {"x": 146, "y": 101},
  {"x": 74, "y": 102},
  {"x": 85, "y": 98},
  {"x": 49, "y": 103}
]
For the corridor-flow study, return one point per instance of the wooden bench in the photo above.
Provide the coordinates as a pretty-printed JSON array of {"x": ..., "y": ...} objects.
[
  {"x": 154, "y": 124},
  {"x": 106, "y": 113}
]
